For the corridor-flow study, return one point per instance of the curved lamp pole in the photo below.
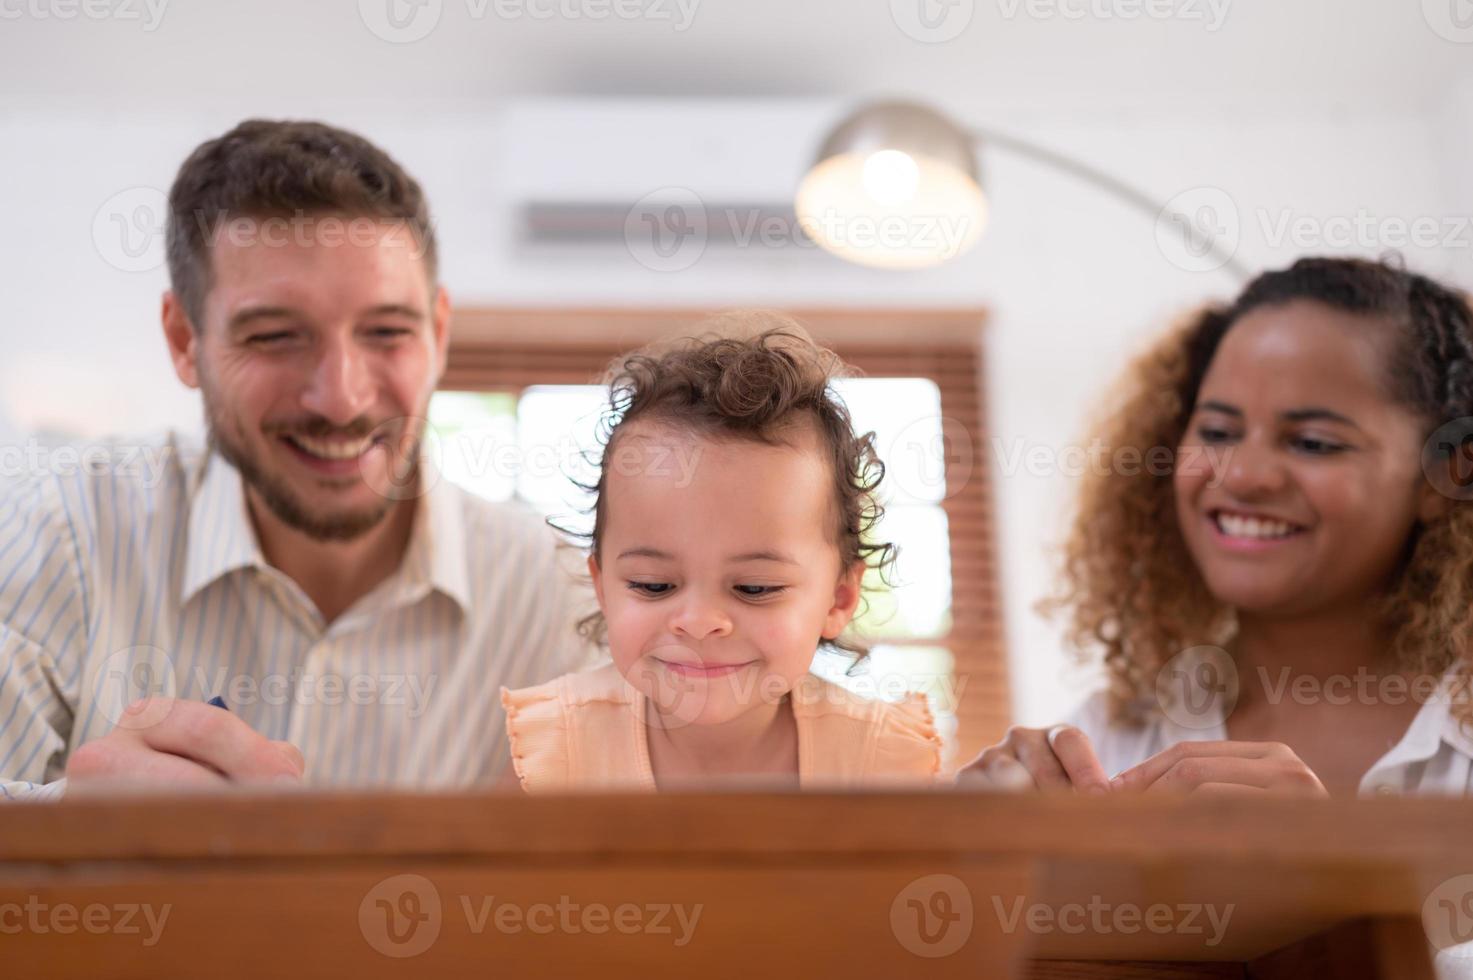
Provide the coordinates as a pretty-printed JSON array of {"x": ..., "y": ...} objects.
[{"x": 896, "y": 185}]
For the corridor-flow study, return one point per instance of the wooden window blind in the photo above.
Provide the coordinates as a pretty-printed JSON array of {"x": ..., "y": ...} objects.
[{"x": 512, "y": 349}]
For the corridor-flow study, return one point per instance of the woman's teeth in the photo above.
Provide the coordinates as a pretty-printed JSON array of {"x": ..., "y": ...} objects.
[
  {"x": 327, "y": 449},
  {"x": 1253, "y": 527}
]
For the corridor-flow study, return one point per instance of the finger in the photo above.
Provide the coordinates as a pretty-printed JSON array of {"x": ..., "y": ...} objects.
[
  {"x": 1228, "y": 789},
  {"x": 995, "y": 770},
  {"x": 1075, "y": 753},
  {"x": 974, "y": 769},
  {"x": 1005, "y": 773},
  {"x": 1188, "y": 774},
  {"x": 294, "y": 756},
  {"x": 1037, "y": 756},
  {"x": 1139, "y": 777},
  {"x": 219, "y": 739},
  {"x": 107, "y": 768}
]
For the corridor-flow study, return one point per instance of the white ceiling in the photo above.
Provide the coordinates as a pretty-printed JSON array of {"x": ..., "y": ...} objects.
[{"x": 1267, "y": 55}]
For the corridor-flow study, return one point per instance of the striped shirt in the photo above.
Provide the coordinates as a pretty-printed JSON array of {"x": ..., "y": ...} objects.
[{"x": 141, "y": 574}]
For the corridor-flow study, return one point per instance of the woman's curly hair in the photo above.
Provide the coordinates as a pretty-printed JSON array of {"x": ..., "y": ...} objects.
[
  {"x": 1130, "y": 587},
  {"x": 755, "y": 376}
]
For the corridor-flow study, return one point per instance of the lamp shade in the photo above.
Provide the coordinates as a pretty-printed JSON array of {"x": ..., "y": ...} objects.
[{"x": 894, "y": 186}]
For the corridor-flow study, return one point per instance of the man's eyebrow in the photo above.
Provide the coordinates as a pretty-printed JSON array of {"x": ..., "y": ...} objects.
[
  {"x": 1221, "y": 407},
  {"x": 244, "y": 317},
  {"x": 397, "y": 309}
]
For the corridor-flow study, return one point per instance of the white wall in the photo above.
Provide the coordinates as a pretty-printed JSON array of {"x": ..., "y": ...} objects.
[
  {"x": 1455, "y": 139},
  {"x": 1076, "y": 281}
]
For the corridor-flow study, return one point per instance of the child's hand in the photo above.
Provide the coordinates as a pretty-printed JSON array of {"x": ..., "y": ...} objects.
[{"x": 1060, "y": 758}]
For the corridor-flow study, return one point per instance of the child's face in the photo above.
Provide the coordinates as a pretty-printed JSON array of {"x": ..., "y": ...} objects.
[
  {"x": 1319, "y": 481},
  {"x": 717, "y": 570}
]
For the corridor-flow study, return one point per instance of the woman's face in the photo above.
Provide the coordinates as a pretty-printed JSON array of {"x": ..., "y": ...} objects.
[{"x": 1318, "y": 480}]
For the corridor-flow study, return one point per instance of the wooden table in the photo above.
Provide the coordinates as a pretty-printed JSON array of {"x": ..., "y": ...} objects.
[{"x": 754, "y": 886}]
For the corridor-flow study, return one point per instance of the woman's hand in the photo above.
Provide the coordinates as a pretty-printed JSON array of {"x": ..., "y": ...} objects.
[
  {"x": 1057, "y": 759},
  {"x": 1222, "y": 769}
]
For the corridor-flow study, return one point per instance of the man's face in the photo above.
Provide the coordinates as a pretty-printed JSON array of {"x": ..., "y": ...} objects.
[{"x": 316, "y": 357}]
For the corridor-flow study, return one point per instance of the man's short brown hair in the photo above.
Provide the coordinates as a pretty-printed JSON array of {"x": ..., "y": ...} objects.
[{"x": 266, "y": 169}]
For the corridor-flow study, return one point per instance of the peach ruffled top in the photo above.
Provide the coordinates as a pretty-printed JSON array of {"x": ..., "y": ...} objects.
[{"x": 587, "y": 731}]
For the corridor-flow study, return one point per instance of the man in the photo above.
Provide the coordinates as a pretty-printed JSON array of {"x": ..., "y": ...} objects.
[{"x": 356, "y": 614}]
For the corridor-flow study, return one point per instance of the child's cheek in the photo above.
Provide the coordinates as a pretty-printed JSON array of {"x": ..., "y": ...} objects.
[
  {"x": 630, "y": 622},
  {"x": 787, "y": 640}
]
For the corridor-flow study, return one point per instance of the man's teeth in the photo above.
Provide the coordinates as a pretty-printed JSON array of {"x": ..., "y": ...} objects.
[
  {"x": 325, "y": 449},
  {"x": 1253, "y": 527}
]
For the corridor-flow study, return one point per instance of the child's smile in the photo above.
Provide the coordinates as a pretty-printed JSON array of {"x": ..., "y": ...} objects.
[{"x": 719, "y": 583}]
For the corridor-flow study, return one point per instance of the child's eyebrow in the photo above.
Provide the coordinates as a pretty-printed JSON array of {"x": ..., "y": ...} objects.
[
  {"x": 656, "y": 553},
  {"x": 646, "y": 553},
  {"x": 776, "y": 556}
]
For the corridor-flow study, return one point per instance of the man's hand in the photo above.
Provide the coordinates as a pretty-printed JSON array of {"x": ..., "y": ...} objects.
[
  {"x": 1223, "y": 769},
  {"x": 1055, "y": 759},
  {"x": 164, "y": 741}
]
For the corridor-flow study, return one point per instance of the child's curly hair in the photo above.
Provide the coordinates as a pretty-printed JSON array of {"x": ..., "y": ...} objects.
[
  {"x": 1130, "y": 586},
  {"x": 750, "y": 375}
]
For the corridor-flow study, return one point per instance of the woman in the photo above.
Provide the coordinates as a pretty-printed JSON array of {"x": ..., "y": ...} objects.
[{"x": 1291, "y": 610}]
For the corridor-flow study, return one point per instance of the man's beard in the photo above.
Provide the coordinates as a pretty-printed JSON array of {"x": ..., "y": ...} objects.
[{"x": 288, "y": 507}]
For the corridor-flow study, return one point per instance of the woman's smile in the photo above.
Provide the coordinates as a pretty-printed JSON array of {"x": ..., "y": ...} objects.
[{"x": 1249, "y": 532}]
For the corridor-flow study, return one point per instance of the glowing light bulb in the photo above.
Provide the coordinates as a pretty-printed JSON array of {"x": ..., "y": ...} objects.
[{"x": 891, "y": 177}]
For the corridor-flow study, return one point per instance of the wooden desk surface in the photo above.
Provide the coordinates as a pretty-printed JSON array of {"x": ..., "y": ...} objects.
[{"x": 905, "y": 884}]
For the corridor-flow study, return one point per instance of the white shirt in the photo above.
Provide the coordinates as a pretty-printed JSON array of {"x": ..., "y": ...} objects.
[
  {"x": 1434, "y": 756},
  {"x": 144, "y": 576}
]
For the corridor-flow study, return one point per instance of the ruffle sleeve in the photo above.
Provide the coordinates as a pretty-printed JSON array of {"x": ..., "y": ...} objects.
[
  {"x": 907, "y": 746},
  {"x": 537, "y": 729}
]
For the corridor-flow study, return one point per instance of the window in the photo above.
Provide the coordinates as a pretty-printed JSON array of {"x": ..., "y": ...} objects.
[{"x": 517, "y": 421}]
